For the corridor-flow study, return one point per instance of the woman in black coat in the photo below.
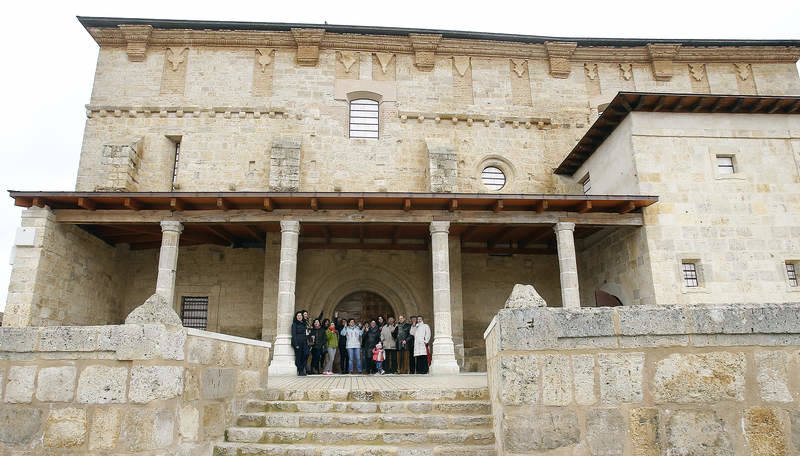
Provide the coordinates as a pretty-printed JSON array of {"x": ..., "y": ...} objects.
[{"x": 299, "y": 343}]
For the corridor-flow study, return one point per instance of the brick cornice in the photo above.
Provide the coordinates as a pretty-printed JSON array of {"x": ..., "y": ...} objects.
[{"x": 114, "y": 37}]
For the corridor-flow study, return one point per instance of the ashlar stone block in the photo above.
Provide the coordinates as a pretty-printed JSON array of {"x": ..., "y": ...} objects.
[
  {"x": 65, "y": 428},
  {"x": 149, "y": 429},
  {"x": 19, "y": 388},
  {"x": 691, "y": 432},
  {"x": 764, "y": 432},
  {"x": 56, "y": 384},
  {"x": 544, "y": 429},
  {"x": 519, "y": 380},
  {"x": 19, "y": 424},
  {"x": 773, "y": 376},
  {"x": 702, "y": 377},
  {"x": 583, "y": 379},
  {"x": 556, "y": 380},
  {"x": 620, "y": 377},
  {"x": 105, "y": 428},
  {"x": 605, "y": 432},
  {"x": 645, "y": 432},
  {"x": 100, "y": 384},
  {"x": 150, "y": 383}
]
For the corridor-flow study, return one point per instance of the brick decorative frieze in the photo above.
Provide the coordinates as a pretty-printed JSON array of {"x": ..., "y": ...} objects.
[
  {"x": 308, "y": 41},
  {"x": 136, "y": 39}
]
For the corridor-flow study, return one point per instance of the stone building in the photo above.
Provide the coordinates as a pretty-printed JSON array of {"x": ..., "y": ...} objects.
[
  {"x": 247, "y": 170},
  {"x": 649, "y": 190}
]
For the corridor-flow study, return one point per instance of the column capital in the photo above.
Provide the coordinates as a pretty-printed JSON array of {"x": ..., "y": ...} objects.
[
  {"x": 564, "y": 226},
  {"x": 440, "y": 226},
  {"x": 171, "y": 225},
  {"x": 290, "y": 225}
]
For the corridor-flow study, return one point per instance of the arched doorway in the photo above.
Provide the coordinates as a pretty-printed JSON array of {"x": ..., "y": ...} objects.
[{"x": 363, "y": 305}]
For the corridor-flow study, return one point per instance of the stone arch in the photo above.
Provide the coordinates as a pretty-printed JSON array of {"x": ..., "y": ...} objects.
[{"x": 339, "y": 284}]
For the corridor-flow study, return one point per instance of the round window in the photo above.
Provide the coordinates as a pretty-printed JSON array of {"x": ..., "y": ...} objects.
[{"x": 493, "y": 178}]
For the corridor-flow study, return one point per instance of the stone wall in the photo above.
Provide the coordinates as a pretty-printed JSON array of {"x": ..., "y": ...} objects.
[
  {"x": 227, "y": 120},
  {"x": 719, "y": 380},
  {"x": 131, "y": 389},
  {"x": 62, "y": 275}
]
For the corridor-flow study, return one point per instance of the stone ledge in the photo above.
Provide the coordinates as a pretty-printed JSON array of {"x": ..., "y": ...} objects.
[
  {"x": 226, "y": 338},
  {"x": 537, "y": 328}
]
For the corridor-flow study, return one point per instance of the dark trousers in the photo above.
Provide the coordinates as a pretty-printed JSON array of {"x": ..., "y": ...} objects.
[
  {"x": 401, "y": 358},
  {"x": 370, "y": 363},
  {"x": 412, "y": 362},
  {"x": 391, "y": 361},
  {"x": 422, "y": 364},
  {"x": 316, "y": 359},
  {"x": 300, "y": 358},
  {"x": 344, "y": 358}
]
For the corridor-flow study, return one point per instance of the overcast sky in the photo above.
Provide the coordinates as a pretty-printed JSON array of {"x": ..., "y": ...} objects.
[{"x": 49, "y": 59}]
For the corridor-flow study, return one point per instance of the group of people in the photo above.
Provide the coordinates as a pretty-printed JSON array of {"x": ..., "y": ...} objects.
[{"x": 376, "y": 346}]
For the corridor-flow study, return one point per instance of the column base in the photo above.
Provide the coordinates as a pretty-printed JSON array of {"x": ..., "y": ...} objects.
[
  {"x": 282, "y": 367},
  {"x": 444, "y": 367}
]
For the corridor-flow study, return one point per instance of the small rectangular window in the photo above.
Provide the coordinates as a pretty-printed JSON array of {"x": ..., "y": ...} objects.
[
  {"x": 175, "y": 164},
  {"x": 725, "y": 164},
  {"x": 194, "y": 311},
  {"x": 364, "y": 118},
  {"x": 791, "y": 273},
  {"x": 690, "y": 275},
  {"x": 586, "y": 182}
]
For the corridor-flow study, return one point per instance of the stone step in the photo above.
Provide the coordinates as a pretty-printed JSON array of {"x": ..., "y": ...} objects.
[
  {"x": 374, "y": 395},
  {"x": 265, "y": 449},
  {"x": 365, "y": 420},
  {"x": 349, "y": 436},
  {"x": 473, "y": 407}
]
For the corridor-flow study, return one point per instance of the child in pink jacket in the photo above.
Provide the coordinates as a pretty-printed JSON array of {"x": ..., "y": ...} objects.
[{"x": 378, "y": 355}]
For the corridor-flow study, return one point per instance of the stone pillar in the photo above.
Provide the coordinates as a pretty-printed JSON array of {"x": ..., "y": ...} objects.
[
  {"x": 443, "y": 361},
  {"x": 568, "y": 265},
  {"x": 456, "y": 299},
  {"x": 168, "y": 260},
  {"x": 283, "y": 353},
  {"x": 269, "y": 303}
]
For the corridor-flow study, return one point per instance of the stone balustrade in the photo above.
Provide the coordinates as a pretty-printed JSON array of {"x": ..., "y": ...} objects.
[
  {"x": 125, "y": 389},
  {"x": 718, "y": 380}
]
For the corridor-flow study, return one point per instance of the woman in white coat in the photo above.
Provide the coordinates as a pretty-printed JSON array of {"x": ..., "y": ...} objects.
[{"x": 422, "y": 335}]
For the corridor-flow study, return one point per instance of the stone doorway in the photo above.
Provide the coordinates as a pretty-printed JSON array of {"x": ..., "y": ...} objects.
[{"x": 364, "y": 305}]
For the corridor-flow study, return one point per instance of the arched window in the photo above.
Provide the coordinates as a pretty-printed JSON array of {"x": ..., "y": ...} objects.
[{"x": 364, "y": 118}]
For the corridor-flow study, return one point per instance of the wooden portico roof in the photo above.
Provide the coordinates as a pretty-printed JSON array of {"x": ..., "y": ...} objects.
[{"x": 490, "y": 223}]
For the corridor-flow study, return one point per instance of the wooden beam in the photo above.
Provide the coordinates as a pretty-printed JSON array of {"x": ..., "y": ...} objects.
[
  {"x": 268, "y": 204},
  {"x": 507, "y": 251},
  {"x": 794, "y": 108},
  {"x": 219, "y": 232},
  {"x": 544, "y": 233},
  {"x": 498, "y": 206},
  {"x": 453, "y": 205},
  {"x": 23, "y": 202},
  {"x": 541, "y": 206},
  {"x": 737, "y": 105},
  {"x": 627, "y": 207},
  {"x": 253, "y": 232},
  {"x": 395, "y": 233},
  {"x": 86, "y": 203},
  {"x": 314, "y": 204},
  {"x": 468, "y": 232},
  {"x": 361, "y": 204},
  {"x": 697, "y": 106},
  {"x": 499, "y": 237},
  {"x": 640, "y": 102},
  {"x": 222, "y": 204},
  {"x": 361, "y": 233},
  {"x": 775, "y": 106},
  {"x": 407, "y": 204},
  {"x": 132, "y": 204},
  {"x": 659, "y": 104},
  {"x": 176, "y": 205},
  {"x": 326, "y": 233},
  {"x": 361, "y": 246},
  {"x": 388, "y": 217},
  {"x": 38, "y": 202},
  {"x": 714, "y": 106},
  {"x": 585, "y": 207}
]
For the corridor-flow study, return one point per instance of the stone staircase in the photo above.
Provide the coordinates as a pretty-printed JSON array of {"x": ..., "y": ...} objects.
[{"x": 429, "y": 422}]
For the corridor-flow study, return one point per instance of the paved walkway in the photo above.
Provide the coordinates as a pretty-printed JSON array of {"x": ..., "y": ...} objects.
[{"x": 378, "y": 382}]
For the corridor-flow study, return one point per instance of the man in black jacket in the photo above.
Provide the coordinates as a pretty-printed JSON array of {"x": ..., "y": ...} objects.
[
  {"x": 371, "y": 339},
  {"x": 403, "y": 333},
  {"x": 344, "y": 357},
  {"x": 412, "y": 366}
]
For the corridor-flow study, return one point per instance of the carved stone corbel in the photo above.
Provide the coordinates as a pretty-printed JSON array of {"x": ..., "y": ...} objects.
[
  {"x": 136, "y": 38},
  {"x": 308, "y": 41},
  {"x": 559, "y": 53},
  {"x": 661, "y": 56},
  {"x": 424, "y": 50}
]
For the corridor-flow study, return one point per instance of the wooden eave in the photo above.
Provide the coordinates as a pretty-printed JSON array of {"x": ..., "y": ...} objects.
[
  {"x": 626, "y": 102},
  {"x": 268, "y": 201}
]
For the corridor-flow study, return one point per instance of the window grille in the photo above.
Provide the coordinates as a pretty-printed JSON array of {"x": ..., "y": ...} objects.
[
  {"x": 725, "y": 165},
  {"x": 791, "y": 273},
  {"x": 587, "y": 184},
  {"x": 194, "y": 311},
  {"x": 690, "y": 275},
  {"x": 364, "y": 115},
  {"x": 493, "y": 178},
  {"x": 175, "y": 166}
]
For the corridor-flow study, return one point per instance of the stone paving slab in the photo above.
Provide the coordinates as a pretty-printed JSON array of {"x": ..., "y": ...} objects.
[{"x": 379, "y": 382}]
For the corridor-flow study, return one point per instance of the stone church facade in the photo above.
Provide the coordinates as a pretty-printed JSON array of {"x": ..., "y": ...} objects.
[{"x": 255, "y": 169}]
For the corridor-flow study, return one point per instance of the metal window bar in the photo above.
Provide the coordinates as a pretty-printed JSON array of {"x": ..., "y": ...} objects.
[
  {"x": 690, "y": 275},
  {"x": 493, "y": 178},
  {"x": 175, "y": 165},
  {"x": 194, "y": 311},
  {"x": 587, "y": 184},
  {"x": 791, "y": 273},
  {"x": 364, "y": 118},
  {"x": 725, "y": 165}
]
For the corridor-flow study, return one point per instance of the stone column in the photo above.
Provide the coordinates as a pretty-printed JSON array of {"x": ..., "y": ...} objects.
[
  {"x": 568, "y": 265},
  {"x": 168, "y": 260},
  {"x": 456, "y": 299},
  {"x": 443, "y": 361},
  {"x": 283, "y": 353}
]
